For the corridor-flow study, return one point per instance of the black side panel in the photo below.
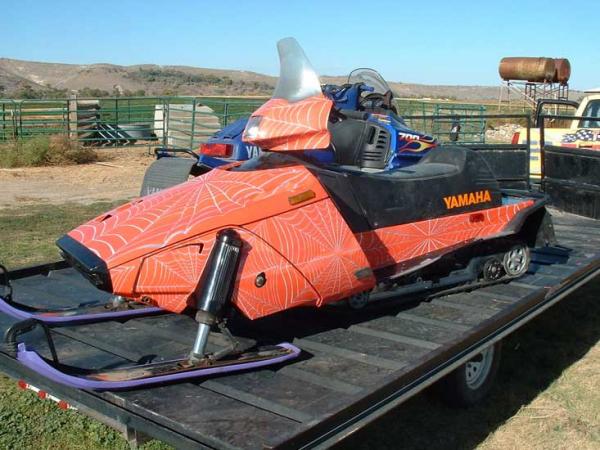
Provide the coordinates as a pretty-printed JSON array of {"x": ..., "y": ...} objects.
[
  {"x": 165, "y": 173},
  {"x": 579, "y": 166},
  {"x": 509, "y": 163},
  {"x": 376, "y": 148},
  {"x": 347, "y": 138},
  {"x": 390, "y": 200},
  {"x": 572, "y": 180},
  {"x": 583, "y": 200},
  {"x": 340, "y": 190}
]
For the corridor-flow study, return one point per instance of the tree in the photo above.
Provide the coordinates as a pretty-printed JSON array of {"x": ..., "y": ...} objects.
[{"x": 25, "y": 91}]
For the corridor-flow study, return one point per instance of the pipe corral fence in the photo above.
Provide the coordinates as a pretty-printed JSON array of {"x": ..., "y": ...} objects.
[
  {"x": 185, "y": 122},
  {"x": 178, "y": 122}
]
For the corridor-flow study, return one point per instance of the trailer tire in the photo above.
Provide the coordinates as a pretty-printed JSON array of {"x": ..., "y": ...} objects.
[{"x": 472, "y": 381}]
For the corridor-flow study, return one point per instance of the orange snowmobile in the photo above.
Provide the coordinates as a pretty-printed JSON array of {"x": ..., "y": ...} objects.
[{"x": 281, "y": 231}]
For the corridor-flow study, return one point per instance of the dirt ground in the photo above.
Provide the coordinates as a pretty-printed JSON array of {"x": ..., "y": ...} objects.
[{"x": 118, "y": 175}]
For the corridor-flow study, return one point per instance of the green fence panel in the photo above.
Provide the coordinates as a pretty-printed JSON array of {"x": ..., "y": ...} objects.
[
  {"x": 9, "y": 113},
  {"x": 185, "y": 122},
  {"x": 437, "y": 118},
  {"x": 470, "y": 118},
  {"x": 182, "y": 122}
]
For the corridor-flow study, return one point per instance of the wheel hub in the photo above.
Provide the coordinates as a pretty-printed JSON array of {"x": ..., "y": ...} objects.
[
  {"x": 516, "y": 260},
  {"x": 478, "y": 369},
  {"x": 358, "y": 301},
  {"x": 492, "y": 269}
]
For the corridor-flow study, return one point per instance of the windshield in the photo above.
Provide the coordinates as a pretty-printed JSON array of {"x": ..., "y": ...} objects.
[
  {"x": 297, "y": 78},
  {"x": 592, "y": 110},
  {"x": 296, "y": 117},
  {"x": 371, "y": 78}
]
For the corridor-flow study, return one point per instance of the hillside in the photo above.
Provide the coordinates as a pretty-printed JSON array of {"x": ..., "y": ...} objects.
[
  {"x": 110, "y": 78},
  {"x": 29, "y": 79}
]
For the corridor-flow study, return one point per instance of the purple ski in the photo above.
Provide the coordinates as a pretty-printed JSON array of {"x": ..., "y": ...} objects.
[
  {"x": 156, "y": 373},
  {"x": 77, "y": 315}
]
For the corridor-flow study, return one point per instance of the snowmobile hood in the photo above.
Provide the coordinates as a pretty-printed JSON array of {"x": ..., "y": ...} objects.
[
  {"x": 296, "y": 116},
  {"x": 209, "y": 202}
]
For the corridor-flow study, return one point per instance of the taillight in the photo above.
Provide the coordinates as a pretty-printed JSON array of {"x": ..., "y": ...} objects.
[
  {"x": 220, "y": 150},
  {"x": 515, "y": 138}
]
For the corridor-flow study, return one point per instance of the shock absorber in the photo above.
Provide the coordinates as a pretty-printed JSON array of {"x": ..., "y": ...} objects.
[{"x": 214, "y": 289}]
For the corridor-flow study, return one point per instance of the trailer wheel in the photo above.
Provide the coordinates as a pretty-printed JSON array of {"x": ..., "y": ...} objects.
[{"x": 472, "y": 381}]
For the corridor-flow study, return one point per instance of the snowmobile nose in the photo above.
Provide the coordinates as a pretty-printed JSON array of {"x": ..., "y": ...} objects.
[{"x": 90, "y": 265}]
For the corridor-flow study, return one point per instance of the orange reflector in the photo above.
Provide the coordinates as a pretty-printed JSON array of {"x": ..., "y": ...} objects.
[
  {"x": 42, "y": 395},
  {"x": 301, "y": 197},
  {"x": 22, "y": 384},
  {"x": 63, "y": 405}
]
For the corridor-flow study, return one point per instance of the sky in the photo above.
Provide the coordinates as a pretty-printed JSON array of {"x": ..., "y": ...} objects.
[{"x": 430, "y": 42}]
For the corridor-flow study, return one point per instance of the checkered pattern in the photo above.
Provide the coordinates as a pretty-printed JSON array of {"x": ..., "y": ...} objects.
[
  {"x": 569, "y": 138},
  {"x": 581, "y": 135},
  {"x": 585, "y": 135}
]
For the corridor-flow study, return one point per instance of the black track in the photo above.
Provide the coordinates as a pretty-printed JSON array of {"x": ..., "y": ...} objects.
[{"x": 355, "y": 366}]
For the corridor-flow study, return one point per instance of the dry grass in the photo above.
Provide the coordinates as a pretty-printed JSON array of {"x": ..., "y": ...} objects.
[
  {"x": 566, "y": 415},
  {"x": 547, "y": 395},
  {"x": 44, "y": 151}
]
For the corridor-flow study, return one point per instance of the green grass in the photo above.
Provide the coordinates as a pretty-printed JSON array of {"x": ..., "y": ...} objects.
[
  {"x": 28, "y": 236},
  {"x": 30, "y": 423},
  {"x": 29, "y": 232},
  {"x": 134, "y": 110}
]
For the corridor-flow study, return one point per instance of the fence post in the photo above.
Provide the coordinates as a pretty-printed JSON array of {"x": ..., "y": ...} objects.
[
  {"x": 14, "y": 119},
  {"x": 165, "y": 112},
  {"x": 483, "y": 127},
  {"x": 193, "y": 124},
  {"x": 226, "y": 113},
  {"x": 72, "y": 121},
  {"x": 116, "y": 111},
  {"x": 19, "y": 129}
]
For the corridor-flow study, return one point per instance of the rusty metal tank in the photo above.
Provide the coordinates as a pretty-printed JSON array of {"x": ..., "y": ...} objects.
[
  {"x": 527, "y": 69},
  {"x": 562, "y": 70}
]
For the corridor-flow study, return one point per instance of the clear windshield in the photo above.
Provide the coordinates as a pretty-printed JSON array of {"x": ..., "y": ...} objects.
[
  {"x": 297, "y": 78},
  {"x": 592, "y": 110},
  {"x": 371, "y": 78}
]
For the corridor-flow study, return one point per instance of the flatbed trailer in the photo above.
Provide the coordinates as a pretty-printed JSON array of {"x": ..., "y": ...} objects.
[{"x": 355, "y": 365}]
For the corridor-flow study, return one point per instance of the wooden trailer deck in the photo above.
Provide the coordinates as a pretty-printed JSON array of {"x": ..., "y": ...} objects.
[{"x": 355, "y": 365}]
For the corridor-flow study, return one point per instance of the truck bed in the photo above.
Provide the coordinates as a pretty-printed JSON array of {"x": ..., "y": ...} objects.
[{"x": 355, "y": 365}]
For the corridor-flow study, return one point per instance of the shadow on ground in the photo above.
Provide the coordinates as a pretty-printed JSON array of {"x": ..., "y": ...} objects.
[{"x": 533, "y": 358}]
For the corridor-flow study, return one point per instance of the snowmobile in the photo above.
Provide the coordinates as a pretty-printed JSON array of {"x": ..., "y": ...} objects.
[
  {"x": 281, "y": 231},
  {"x": 365, "y": 91}
]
